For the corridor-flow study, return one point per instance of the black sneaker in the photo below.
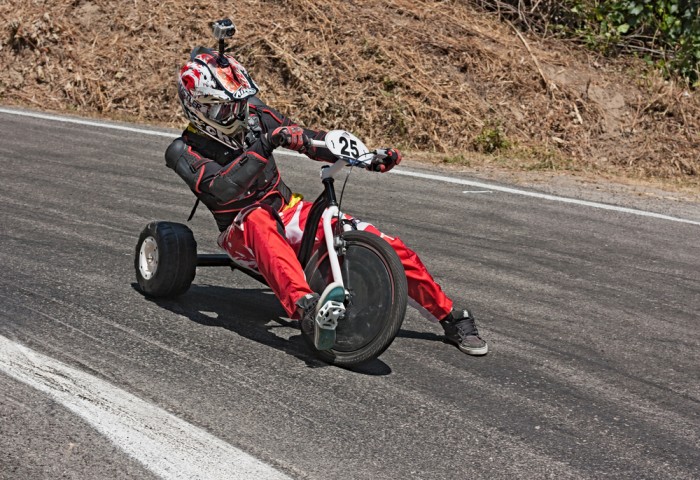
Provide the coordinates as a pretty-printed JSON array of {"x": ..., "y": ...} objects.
[{"x": 460, "y": 329}]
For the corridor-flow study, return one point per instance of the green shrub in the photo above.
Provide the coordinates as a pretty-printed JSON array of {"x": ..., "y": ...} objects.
[
  {"x": 491, "y": 139},
  {"x": 665, "y": 32}
]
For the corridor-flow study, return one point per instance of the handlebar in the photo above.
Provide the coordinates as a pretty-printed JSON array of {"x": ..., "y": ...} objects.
[{"x": 347, "y": 160}]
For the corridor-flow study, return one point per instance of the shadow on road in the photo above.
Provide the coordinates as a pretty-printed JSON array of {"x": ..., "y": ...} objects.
[
  {"x": 421, "y": 335},
  {"x": 254, "y": 314}
]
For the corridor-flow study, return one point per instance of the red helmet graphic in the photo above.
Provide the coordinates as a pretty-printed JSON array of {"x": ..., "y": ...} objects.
[{"x": 215, "y": 95}]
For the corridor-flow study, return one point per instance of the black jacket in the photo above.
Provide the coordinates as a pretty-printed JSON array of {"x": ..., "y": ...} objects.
[{"x": 228, "y": 179}]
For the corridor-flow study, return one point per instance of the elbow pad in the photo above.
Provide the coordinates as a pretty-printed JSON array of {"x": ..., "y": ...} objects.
[
  {"x": 184, "y": 162},
  {"x": 174, "y": 152},
  {"x": 236, "y": 180}
]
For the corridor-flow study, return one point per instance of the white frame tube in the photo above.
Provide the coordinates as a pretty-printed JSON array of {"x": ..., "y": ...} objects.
[{"x": 328, "y": 215}]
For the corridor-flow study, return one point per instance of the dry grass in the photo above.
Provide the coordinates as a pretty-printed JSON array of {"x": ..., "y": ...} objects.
[{"x": 429, "y": 76}]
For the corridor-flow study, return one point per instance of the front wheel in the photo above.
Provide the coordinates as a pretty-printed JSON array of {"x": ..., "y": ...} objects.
[
  {"x": 375, "y": 279},
  {"x": 165, "y": 259}
]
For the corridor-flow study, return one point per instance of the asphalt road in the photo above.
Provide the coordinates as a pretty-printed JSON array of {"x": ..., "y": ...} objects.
[{"x": 591, "y": 316}]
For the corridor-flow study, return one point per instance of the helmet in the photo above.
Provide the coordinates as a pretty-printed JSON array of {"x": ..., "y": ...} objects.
[{"x": 214, "y": 93}]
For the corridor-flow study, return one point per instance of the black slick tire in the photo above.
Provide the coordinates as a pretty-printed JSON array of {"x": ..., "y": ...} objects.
[
  {"x": 378, "y": 293},
  {"x": 165, "y": 259}
]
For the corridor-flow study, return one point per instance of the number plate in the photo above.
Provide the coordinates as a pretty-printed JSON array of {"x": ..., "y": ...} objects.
[{"x": 345, "y": 144}]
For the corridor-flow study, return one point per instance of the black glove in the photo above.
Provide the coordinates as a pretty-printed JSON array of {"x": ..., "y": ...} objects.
[
  {"x": 386, "y": 160},
  {"x": 291, "y": 137}
]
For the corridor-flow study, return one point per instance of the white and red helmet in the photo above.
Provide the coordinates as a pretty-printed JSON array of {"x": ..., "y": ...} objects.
[{"x": 214, "y": 94}]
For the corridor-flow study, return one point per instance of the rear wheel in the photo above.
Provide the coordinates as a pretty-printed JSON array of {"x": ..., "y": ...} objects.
[
  {"x": 165, "y": 259},
  {"x": 375, "y": 279}
]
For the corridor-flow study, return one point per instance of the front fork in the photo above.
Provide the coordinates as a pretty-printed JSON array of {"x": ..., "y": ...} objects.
[
  {"x": 331, "y": 211},
  {"x": 324, "y": 209}
]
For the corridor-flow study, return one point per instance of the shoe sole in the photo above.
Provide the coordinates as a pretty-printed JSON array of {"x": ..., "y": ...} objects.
[
  {"x": 324, "y": 338},
  {"x": 477, "y": 352}
]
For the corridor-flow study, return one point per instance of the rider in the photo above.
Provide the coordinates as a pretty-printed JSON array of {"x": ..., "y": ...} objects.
[{"x": 225, "y": 157}]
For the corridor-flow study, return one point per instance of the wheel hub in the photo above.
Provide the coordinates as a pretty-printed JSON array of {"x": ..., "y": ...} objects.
[{"x": 148, "y": 258}]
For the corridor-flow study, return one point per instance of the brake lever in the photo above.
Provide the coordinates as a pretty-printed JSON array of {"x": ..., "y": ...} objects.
[
  {"x": 356, "y": 162},
  {"x": 378, "y": 154}
]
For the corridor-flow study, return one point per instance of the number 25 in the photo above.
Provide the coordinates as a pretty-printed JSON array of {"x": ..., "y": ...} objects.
[{"x": 353, "y": 147}]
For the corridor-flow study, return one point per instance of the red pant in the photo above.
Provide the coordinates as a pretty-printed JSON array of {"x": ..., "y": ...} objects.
[{"x": 254, "y": 241}]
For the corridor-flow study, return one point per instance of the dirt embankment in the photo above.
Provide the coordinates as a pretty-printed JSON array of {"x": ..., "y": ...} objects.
[{"x": 439, "y": 77}]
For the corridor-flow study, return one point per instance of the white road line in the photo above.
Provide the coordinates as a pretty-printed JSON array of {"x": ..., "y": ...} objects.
[
  {"x": 168, "y": 446},
  {"x": 402, "y": 171},
  {"x": 477, "y": 191},
  {"x": 89, "y": 123},
  {"x": 544, "y": 196}
]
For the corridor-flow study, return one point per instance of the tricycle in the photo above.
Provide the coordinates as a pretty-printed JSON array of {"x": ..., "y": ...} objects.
[{"x": 364, "y": 264}]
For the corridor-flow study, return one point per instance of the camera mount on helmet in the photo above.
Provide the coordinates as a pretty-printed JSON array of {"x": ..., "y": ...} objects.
[{"x": 222, "y": 29}]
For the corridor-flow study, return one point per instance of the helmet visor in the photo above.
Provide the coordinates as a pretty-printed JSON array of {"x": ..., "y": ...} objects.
[{"x": 224, "y": 113}]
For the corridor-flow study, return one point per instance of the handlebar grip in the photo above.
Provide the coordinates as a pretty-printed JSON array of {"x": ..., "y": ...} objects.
[{"x": 280, "y": 141}]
